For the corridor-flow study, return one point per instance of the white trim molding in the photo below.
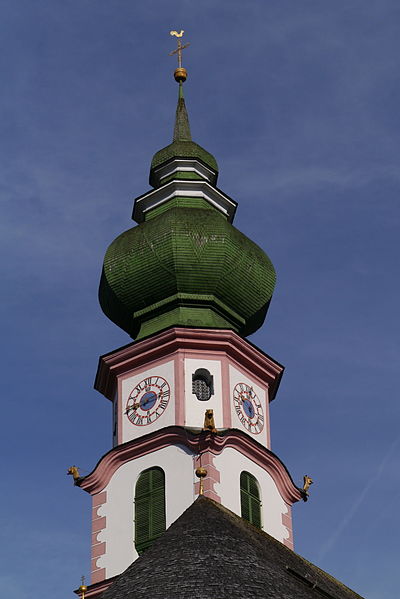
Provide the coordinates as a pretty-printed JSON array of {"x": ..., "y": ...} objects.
[
  {"x": 184, "y": 189},
  {"x": 180, "y": 164}
]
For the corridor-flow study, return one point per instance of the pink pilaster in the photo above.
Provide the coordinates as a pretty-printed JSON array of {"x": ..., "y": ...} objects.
[
  {"x": 267, "y": 420},
  {"x": 287, "y": 522},
  {"x": 179, "y": 389},
  {"x": 206, "y": 460},
  {"x": 226, "y": 396},
  {"x": 119, "y": 401},
  {"x": 98, "y": 525}
]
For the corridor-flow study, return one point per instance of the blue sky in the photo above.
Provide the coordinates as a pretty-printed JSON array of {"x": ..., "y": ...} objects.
[{"x": 298, "y": 100}]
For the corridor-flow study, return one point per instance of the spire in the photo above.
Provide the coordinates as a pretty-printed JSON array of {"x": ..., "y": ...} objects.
[
  {"x": 182, "y": 127},
  {"x": 182, "y": 146}
]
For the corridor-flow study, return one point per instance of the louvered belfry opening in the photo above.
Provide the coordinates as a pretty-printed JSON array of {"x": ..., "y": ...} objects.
[
  {"x": 250, "y": 501},
  {"x": 149, "y": 508},
  {"x": 202, "y": 384}
]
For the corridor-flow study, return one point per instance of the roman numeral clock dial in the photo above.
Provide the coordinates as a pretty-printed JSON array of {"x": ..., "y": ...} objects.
[
  {"x": 148, "y": 401},
  {"x": 248, "y": 408}
]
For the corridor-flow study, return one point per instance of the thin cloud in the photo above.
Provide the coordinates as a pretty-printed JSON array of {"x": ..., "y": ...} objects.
[
  {"x": 299, "y": 179},
  {"x": 331, "y": 542}
]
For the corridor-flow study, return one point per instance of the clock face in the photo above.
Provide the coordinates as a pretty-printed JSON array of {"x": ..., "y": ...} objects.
[
  {"x": 248, "y": 408},
  {"x": 148, "y": 401}
]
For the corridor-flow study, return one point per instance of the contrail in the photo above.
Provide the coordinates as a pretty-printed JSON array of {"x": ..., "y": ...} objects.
[{"x": 327, "y": 546}]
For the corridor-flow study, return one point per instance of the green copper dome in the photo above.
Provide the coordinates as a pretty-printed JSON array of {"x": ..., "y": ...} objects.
[
  {"x": 185, "y": 264},
  {"x": 186, "y": 267}
]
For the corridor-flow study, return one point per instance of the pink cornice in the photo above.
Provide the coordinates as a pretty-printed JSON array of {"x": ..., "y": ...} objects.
[
  {"x": 99, "y": 478},
  {"x": 221, "y": 340}
]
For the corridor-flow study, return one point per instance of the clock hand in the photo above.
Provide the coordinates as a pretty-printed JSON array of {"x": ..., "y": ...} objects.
[{"x": 132, "y": 407}]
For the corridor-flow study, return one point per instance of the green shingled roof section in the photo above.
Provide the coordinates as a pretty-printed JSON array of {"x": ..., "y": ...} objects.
[
  {"x": 186, "y": 316},
  {"x": 186, "y": 265},
  {"x": 183, "y": 176},
  {"x": 182, "y": 127},
  {"x": 178, "y": 202},
  {"x": 190, "y": 258},
  {"x": 183, "y": 149},
  {"x": 182, "y": 145}
]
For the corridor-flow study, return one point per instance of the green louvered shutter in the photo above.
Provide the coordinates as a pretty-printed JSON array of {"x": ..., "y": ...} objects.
[
  {"x": 250, "y": 499},
  {"x": 149, "y": 508}
]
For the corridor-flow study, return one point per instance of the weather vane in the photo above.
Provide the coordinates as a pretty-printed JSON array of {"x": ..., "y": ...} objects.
[{"x": 180, "y": 73}]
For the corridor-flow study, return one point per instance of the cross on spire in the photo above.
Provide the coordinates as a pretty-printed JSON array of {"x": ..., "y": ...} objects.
[{"x": 180, "y": 47}]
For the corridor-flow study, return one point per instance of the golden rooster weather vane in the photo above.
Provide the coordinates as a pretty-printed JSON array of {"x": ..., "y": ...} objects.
[{"x": 180, "y": 73}]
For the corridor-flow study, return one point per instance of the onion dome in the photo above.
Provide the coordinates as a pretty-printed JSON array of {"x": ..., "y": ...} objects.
[{"x": 185, "y": 264}]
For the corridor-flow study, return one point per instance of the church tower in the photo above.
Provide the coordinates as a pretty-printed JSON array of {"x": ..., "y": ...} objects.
[{"x": 190, "y": 394}]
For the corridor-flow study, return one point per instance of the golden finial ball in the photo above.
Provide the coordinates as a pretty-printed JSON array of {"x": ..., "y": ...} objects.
[
  {"x": 82, "y": 588},
  {"x": 201, "y": 472},
  {"x": 180, "y": 74}
]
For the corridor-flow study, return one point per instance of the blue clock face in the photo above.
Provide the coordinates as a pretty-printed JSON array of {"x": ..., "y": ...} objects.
[
  {"x": 248, "y": 408},
  {"x": 148, "y": 401}
]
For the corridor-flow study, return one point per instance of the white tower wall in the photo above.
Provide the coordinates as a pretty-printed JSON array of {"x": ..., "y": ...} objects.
[
  {"x": 118, "y": 533},
  {"x": 231, "y": 463}
]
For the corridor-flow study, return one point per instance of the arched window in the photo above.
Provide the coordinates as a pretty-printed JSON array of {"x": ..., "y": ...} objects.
[
  {"x": 149, "y": 508},
  {"x": 250, "y": 501}
]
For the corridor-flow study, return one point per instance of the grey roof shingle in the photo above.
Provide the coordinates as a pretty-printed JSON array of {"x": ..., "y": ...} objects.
[{"x": 210, "y": 553}]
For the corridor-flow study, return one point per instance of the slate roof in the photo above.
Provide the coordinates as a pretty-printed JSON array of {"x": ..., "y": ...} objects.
[{"x": 210, "y": 553}]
